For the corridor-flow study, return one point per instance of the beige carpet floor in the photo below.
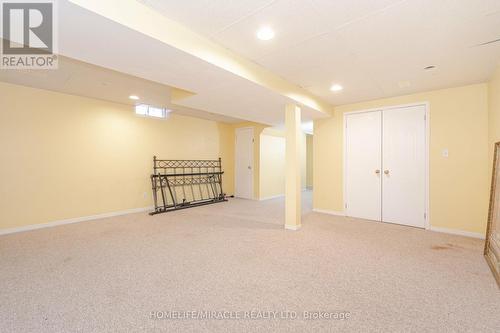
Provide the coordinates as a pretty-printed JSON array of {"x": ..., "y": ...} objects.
[{"x": 109, "y": 275}]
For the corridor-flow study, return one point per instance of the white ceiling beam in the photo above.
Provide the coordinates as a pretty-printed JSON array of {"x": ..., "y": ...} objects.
[{"x": 141, "y": 18}]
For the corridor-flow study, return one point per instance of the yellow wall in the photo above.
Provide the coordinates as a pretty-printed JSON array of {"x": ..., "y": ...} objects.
[
  {"x": 494, "y": 111},
  {"x": 309, "y": 161},
  {"x": 65, "y": 156},
  {"x": 303, "y": 161},
  {"x": 226, "y": 153},
  {"x": 272, "y": 163},
  {"x": 459, "y": 185},
  {"x": 272, "y": 166}
]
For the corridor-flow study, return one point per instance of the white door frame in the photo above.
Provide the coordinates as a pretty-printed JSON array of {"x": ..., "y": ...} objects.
[
  {"x": 239, "y": 129},
  {"x": 427, "y": 148}
]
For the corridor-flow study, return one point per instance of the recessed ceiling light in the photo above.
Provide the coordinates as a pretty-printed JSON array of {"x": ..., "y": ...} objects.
[
  {"x": 134, "y": 97},
  {"x": 336, "y": 87},
  {"x": 265, "y": 33}
]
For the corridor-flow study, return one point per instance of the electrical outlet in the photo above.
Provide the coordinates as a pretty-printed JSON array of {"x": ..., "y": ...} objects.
[{"x": 145, "y": 195}]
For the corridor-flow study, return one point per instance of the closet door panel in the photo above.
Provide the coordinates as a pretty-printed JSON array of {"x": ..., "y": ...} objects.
[
  {"x": 363, "y": 165},
  {"x": 404, "y": 166}
]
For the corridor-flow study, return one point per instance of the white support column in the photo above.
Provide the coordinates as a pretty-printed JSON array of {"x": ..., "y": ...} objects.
[{"x": 292, "y": 173}]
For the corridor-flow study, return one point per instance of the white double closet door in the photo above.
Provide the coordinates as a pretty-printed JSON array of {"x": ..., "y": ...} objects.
[{"x": 385, "y": 165}]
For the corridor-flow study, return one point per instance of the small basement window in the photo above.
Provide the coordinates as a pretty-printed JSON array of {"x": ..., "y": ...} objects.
[{"x": 151, "y": 111}]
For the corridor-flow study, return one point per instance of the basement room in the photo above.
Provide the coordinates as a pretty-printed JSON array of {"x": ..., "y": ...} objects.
[{"x": 250, "y": 166}]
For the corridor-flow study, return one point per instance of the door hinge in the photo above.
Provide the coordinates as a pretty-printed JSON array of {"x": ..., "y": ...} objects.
[
  {"x": 425, "y": 117},
  {"x": 345, "y": 206},
  {"x": 425, "y": 216}
]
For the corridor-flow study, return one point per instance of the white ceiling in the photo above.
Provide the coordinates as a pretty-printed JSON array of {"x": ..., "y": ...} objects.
[
  {"x": 82, "y": 79},
  {"x": 374, "y": 48},
  {"x": 94, "y": 39}
]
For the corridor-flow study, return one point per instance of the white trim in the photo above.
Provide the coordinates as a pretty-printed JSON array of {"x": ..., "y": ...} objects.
[
  {"x": 427, "y": 164},
  {"x": 272, "y": 197},
  {"x": 427, "y": 150},
  {"x": 293, "y": 227},
  {"x": 457, "y": 232},
  {"x": 73, "y": 220},
  {"x": 329, "y": 212},
  {"x": 239, "y": 129}
]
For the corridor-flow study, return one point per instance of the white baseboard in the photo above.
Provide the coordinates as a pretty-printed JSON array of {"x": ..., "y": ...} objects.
[
  {"x": 293, "y": 227},
  {"x": 436, "y": 229},
  {"x": 272, "y": 197},
  {"x": 329, "y": 212},
  {"x": 279, "y": 195},
  {"x": 73, "y": 220},
  {"x": 458, "y": 232}
]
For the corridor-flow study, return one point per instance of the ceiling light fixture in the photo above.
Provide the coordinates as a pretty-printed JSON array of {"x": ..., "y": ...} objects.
[
  {"x": 336, "y": 88},
  {"x": 134, "y": 97},
  {"x": 429, "y": 68},
  {"x": 265, "y": 33}
]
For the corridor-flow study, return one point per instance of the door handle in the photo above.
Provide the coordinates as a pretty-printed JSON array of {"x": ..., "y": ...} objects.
[
  {"x": 386, "y": 172},
  {"x": 377, "y": 172},
  {"x": 249, "y": 168}
]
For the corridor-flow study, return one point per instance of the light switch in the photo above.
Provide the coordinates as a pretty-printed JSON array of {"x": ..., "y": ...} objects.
[{"x": 445, "y": 153}]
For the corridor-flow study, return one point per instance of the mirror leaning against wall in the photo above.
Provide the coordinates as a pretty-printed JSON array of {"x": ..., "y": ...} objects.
[{"x": 492, "y": 245}]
